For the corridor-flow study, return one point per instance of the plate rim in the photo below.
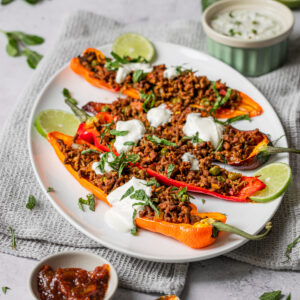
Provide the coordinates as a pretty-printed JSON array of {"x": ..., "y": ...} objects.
[{"x": 74, "y": 223}]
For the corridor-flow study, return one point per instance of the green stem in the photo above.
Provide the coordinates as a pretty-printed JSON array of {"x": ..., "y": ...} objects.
[
  {"x": 80, "y": 113},
  {"x": 228, "y": 228},
  {"x": 274, "y": 150}
]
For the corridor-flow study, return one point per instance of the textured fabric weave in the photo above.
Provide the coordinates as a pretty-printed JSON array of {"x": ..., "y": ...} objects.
[{"x": 43, "y": 231}]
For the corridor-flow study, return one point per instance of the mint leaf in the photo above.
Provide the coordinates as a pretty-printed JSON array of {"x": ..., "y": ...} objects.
[
  {"x": 275, "y": 295},
  {"x": 33, "y": 58},
  {"x": 170, "y": 169},
  {"x": 31, "y": 202}
]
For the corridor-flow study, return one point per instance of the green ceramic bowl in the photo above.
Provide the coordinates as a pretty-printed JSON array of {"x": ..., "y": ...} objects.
[{"x": 251, "y": 58}]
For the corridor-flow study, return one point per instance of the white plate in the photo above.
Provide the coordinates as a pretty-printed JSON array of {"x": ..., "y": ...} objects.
[
  {"x": 74, "y": 259},
  {"x": 146, "y": 245}
]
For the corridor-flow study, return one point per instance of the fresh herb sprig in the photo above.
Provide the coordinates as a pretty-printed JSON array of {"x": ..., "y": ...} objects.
[
  {"x": 143, "y": 199},
  {"x": 90, "y": 201},
  {"x": 219, "y": 147},
  {"x": 149, "y": 100},
  {"x": 118, "y": 61},
  {"x": 220, "y": 101},
  {"x": 195, "y": 138},
  {"x": 50, "y": 189},
  {"x": 67, "y": 95},
  {"x": 234, "y": 119},
  {"x": 17, "y": 45},
  {"x": 13, "y": 238},
  {"x": 274, "y": 295},
  {"x": 4, "y": 289},
  {"x": 105, "y": 130},
  {"x": 170, "y": 169},
  {"x": 290, "y": 247},
  {"x": 118, "y": 132},
  {"x": 138, "y": 75},
  {"x": 32, "y": 2},
  {"x": 158, "y": 141}
]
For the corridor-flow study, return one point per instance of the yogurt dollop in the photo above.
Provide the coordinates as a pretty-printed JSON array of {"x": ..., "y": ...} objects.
[
  {"x": 119, "y": 216},
  {"x": 159, "y": 115},
  {"x": 136, "y": 131},
  {"x": 170, "y": 73},
  {"x": 125, "y": 69},
  {"x": 208, "y": 130}
]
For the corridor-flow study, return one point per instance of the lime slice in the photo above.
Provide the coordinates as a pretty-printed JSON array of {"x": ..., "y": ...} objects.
[
  {"x": 133, "y": 45},
  {"x": 56, "y": 120},
  {"x": 290, "y": 3},
  {"x": 277, "y": 177}
]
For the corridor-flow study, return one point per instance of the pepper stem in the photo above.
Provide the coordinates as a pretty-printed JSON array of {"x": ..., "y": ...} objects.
[
  {"x": 80, "y": 113},
  {"x": 274, "y": 150},
  {"x": 228, "y": 228}
]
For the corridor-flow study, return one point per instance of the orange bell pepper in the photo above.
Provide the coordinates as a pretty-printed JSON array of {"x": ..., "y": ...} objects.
[
  {"x": 198, "y": 235},
  {"x": 246, "y": 106}
]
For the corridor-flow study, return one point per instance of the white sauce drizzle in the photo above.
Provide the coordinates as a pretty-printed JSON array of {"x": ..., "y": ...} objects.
[
  {"x": 119, "y": 216},
  {"x": 159, "y": 115},
  {"x": 207, "y": 128},
  {"x": 107, "y": 167},
  {"x": 247, "y": 25},
  {"x": 125, "y": 69},
  {"x": 192, "y": 160},
  {"x": 170, "y": 73},
  {"x": 136, "y": 131}
]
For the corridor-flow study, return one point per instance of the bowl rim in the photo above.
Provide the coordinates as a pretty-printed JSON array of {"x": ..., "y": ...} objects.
[
  {"x": 233, "y": 42},
  {"x": 113, "y": 273}
]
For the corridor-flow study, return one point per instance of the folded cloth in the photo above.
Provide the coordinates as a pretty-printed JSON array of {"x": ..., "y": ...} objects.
[{"x": 43, "y": 231}]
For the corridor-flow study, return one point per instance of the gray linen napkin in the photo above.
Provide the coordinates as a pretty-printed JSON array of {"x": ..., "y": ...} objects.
[{"x": 42, "y": 231}]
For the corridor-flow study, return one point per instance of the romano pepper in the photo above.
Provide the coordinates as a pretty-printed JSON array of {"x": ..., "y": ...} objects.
[
  {"x": 245, "y": 105},
  {"x": 198, "y": 235}
]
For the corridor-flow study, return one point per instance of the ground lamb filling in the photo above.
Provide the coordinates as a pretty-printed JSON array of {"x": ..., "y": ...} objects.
[
  {"x": 173, "y": 206},
  {"x": 186, "y": 88},
  {"x": 237, "y": 145}
]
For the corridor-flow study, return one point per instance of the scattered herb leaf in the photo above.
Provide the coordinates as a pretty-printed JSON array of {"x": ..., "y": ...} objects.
[
  {"x": 152, "y": 182},
  {"x": 129, "y": 143},
  {"x": 289, "y": 248},
  {"x": 203, "y": 201},
  {"x": 50, "y": 189},
  {"x": 31, "y": 202},
  {"x": 89, "y": 151},
  {"x": 155, "y": 139},
  {"x": 4, "y": 289},
  {"x": 90, "y": 202},
  {"x": 234, "y": 119},
  {"x": 219, "y": 146},
  {"x": 147, "y": 98},
  {"x": 133, "y": 231},
  {"x": 170, "y": 169},
  {"x": 13, "y": 239},
  {"x": 118, "y": 132},
  {"x": 67, "y": 95},
  {"x": 128, "y": 192},
  {"x": 275, "y": 295},
  {"x": 138, "y": 75}
]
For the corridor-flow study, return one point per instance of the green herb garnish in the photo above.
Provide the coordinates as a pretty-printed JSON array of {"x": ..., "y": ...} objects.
[
  {"x": 128, "y": 192},
  {"x": 18, "y": 42},
  {"x": 118, "y": 132},
  {"x": 13, "y": 239},
  {"x": 114, "y": 65},
  {"x": 133, "y": 231},
  {"x": 129, "y": 143},
  {"x": 158, "y": 141},
  {"x": 290, "y": 247},
  {"x": 106, "y": 129},
  {"x": 203, "y": 201},
  {"x": 31, "y": 202},
  {"x": 67, "y": 95},
  {"x": 50, "y": 189},
  {"x": 141, "y": 195},
  {"x": 195, "y": 138},
  {"x": 90, "y": 202},
  {"x": 234, "y": 119},
  {"x": 170, "y": 169},
  {"x": 121, "y": 161},
  {"x": 173, "y": 188},
  {"x": 89, "y": 151},
  {"x": 4, "y": 289},
  {"x": 219, "y": 146},
  {"x": 275, "y": 295},
  {"x": 231, "y": 15},
  {"x": 152, "y": 182},
  {"x": 148, "y": 98},
  {"x": 138, "y": 75},
  {"x": 220, "y": 101},
  {"x": 254, "y": 31}
]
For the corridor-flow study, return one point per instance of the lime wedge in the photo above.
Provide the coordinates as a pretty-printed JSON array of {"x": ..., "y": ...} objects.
[
  {"x": 290, "y": 3},
  {"x": 56, "y": 120},
  {"x": 133, "y": 45},
  {"x": 277, "y": 177}
]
